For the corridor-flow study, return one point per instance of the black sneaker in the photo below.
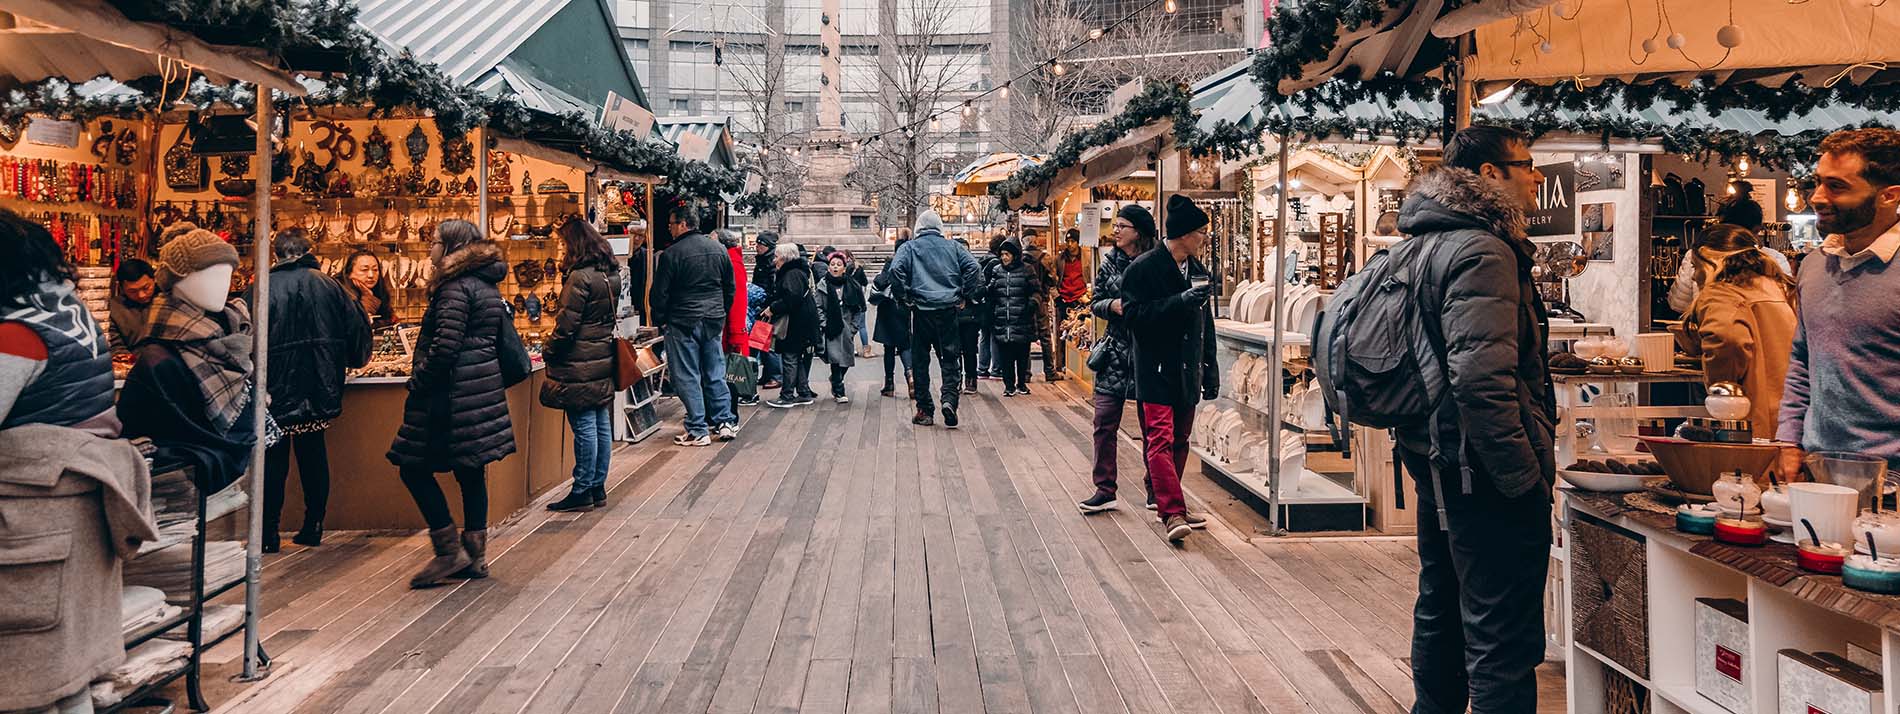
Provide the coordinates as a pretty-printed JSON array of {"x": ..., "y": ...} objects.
[
  {"x": 1023, "y": 388},
  {"x": 1101, "y": 501},
  {"x": 1177, "y": 528},
  {"x": 1151, "y": 500},
  {"x": 923, "y": 418},
  {"x": 599, "y": 494},
  {"x": 574, "y": 501},
  {"x": 804, "y": 399},
  {"x": 751, "y": 401},
  {"x": 784, "y": 403},
  {"x": 969, "y": 387},
  {"x": 950, "y": 417},
  {"x": 272, "y": 541},
  {"x": 1009, "y": 392}
]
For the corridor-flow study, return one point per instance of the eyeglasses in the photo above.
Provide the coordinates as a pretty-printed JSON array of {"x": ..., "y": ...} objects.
[
  {"x": 1521, "y": 163},
  {"x": 1118, "y": 225}
]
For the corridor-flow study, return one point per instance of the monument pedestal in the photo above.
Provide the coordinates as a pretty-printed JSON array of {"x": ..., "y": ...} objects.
[{"x": 821, "y": 218}]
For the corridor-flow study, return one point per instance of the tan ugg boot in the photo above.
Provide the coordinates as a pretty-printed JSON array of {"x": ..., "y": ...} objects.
[
  {"x": 475, "y": 544},
  {"x": 449, "y": 558}
]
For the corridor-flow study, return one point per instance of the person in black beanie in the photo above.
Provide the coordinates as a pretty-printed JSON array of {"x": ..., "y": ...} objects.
[
  {"x": 1165, "y": 304},
  {"x": 1112, "y": 362}
]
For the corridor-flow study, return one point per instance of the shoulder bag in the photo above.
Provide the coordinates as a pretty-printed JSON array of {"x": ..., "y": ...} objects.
[{"x": 515, "y": 365}]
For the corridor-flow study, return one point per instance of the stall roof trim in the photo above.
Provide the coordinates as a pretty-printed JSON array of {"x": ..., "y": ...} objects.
[
  {"x": 512, "y": 44},
  {"x": 78, "y": 40},
  {"x": 716, "y": 130}
]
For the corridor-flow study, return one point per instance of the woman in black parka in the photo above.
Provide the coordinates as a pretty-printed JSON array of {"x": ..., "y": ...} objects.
[
  {"x": 1015, "y": 291},
  {"x": 1113, "y": 361},
  {"x": 456, "y": 416},
  {"x": 580, "y": 359}
]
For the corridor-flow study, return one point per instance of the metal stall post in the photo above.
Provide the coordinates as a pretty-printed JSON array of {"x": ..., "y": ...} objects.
[{"x": 1274, "y": 399}]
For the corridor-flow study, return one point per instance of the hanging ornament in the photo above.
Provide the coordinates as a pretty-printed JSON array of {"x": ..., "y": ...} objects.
[
  {"x": 1730, "y": 36},
  {"x": 417, "y": 144},
  {"x": 1651, "y": 46},
  {"x": 458, "y": 155},
  {"x": 1546, "y": 48},
  {"x": 377, "y": 151},
  {"x": 1677, "y": 41}
]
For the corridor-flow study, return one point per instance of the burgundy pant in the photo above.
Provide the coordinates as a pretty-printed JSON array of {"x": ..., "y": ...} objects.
[
  {"x": 1164, "y": 430},
  {"x": 1108, "y": 422}
]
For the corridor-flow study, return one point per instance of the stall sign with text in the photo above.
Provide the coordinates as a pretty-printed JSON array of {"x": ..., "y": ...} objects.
[{"x": 1556, "y": 213}]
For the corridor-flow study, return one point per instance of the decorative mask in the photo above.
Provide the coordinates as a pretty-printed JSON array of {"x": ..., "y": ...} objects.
[
  {"x": 417, "y": 144},
  {"x": 377, "y": 151},
  {"x": 458, "y": 156}
]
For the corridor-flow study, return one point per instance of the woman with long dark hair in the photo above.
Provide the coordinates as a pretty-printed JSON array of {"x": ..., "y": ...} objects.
[
  {"x": 1113, "y": 360},
  {"x": 456, "y": 416},
  {"x": 580, "y": 359},
  {"x": 1742, "y": 324},
  {"x": 362, "y": 277}
]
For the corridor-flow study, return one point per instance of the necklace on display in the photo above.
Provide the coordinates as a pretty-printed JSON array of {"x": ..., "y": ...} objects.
[{"x": 507, "y": 223}]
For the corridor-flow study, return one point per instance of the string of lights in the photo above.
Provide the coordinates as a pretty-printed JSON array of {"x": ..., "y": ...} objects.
[{"x": 968, "y": 106}]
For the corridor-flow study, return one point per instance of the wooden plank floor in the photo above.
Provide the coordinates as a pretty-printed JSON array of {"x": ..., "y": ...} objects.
[{"x": 837, "y": 559}]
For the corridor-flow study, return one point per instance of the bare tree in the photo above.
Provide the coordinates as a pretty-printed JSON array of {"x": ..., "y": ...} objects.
[
  {"x": 759, "y": 73},
  {"x": 1155, "y": 46},
  {"x": 916, "y": 79},
  {"x": 1044, "y": 100}
]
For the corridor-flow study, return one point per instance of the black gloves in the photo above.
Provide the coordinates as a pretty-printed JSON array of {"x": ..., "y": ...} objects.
[{"x": 1199, "y": 293}]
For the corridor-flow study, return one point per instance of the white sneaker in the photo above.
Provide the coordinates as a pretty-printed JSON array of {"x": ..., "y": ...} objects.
[
  {"x": 726, "y": 432},
  {"x": 690, "y": 440},
  {"x": 841, "y": 399}
]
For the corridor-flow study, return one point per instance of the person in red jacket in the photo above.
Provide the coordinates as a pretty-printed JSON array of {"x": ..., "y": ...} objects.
[{"x": 738, "y": 338}]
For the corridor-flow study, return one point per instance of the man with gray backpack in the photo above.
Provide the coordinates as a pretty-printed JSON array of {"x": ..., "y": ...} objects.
[{"x": 1442, "y": 340}]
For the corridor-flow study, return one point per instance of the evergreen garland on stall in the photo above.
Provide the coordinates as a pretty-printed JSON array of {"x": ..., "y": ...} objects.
[{"x": 1157, "y": 100}]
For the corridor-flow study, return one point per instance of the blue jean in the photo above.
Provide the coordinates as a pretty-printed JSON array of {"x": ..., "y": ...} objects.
[
  {"x": 697, "y": 360},
  {"x": 864, "y": 332},
  {"x": 593, "y": 445}
]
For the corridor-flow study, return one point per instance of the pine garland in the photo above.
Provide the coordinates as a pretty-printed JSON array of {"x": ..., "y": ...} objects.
[{"x": 1157, "y": 100}]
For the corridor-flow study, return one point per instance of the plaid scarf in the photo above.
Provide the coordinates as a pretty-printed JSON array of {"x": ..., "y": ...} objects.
[{"x": 219, "y": 358}]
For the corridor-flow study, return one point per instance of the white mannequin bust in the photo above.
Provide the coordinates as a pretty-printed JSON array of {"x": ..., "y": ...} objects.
[{"x": 206, "y": 289}]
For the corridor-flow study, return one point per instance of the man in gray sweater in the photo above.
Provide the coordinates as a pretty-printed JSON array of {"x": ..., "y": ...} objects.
[{"x": 1843, "y": 390}]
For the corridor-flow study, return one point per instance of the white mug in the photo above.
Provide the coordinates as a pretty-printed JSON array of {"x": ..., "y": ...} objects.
[{"x": 1830, "y": 508}]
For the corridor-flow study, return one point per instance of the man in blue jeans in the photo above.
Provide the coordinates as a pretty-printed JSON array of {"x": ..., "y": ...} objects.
[{"x": 693, "y": 290}]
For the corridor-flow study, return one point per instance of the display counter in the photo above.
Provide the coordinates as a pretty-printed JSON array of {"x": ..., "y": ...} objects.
[
  {"x": 366, "y": 493},
  {"x": 1645, "y": 612}
]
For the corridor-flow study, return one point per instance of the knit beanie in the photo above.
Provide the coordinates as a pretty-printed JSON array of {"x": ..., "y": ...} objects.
[
  {"x": 186, "y": 249},
  {"x": 769, "y": 239},
  {"x": 1140, "y": 218},
  {"x": 929, "y": 220},
  {"x": 1010, "y": 247},
  {"x": 1183, "y": 216}
]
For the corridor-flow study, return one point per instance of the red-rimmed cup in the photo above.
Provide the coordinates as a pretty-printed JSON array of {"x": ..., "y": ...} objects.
[
  {"x": 1819, "y": 559},
  {"x": 1739, "y": 532}
]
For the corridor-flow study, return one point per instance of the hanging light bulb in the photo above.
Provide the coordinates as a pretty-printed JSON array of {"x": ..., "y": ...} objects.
[
  {"x": 1793, "y": 200},
  {"x": 1095, "y": 33},
  {"x": 1742, "y": 166},
  {"x": 1170, "y": 6},
  {"x": 1294, "y": 183},
  {"x": 935, "y": 123},
  {"x": 1057, "y": 69},
  {"x": 1004, "y": 92},
  {"x": 967, "y": 109},
  {"x": 1731, "y": 188}
]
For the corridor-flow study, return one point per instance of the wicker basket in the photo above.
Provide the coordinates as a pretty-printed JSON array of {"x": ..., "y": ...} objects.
[
  {"x": 1622, "y": 695},
  {"x": 1609, "y": 593}
]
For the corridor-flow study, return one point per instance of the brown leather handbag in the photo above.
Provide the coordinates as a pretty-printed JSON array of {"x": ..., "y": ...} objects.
[{"x": 626, "y": 364}]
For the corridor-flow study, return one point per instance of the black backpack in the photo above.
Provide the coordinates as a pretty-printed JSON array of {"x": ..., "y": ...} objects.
[{"x": 1376, "y": 364}]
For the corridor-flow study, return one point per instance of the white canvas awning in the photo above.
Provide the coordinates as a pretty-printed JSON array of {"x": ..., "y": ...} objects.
[
  {"x": 1818, "y": 41},
  {"x": 79, "y": 40}
]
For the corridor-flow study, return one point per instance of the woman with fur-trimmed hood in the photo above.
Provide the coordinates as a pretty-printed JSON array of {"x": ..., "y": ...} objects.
[{"x": 456, "y": 416}]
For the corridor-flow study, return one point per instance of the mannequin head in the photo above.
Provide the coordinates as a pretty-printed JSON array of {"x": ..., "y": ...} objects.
[
  {"x": 195, "y": 265},
  {"x": 206, "y": 289}
]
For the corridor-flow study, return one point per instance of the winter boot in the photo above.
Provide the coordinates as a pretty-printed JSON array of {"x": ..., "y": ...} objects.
[
  {"x": 311, "y": 536},
  {"x": 475, "y": 544},
  {"x": 449, "y": 559}
]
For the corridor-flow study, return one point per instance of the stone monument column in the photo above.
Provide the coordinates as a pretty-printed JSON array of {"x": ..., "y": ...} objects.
[{"x": 826, "y": 212}]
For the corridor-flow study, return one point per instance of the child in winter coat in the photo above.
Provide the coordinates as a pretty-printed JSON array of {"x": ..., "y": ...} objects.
[{"x": 1015, "y": 293}]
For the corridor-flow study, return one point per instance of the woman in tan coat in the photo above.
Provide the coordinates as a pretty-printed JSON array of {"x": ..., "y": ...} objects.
[{"x": 1742, "y": 323}]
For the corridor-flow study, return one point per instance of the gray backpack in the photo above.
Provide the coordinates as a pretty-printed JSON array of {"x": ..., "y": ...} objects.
[{"x": 1377, "y": 365}]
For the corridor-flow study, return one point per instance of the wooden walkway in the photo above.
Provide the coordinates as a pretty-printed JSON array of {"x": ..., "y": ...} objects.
[{"x": 837, "y": 559}]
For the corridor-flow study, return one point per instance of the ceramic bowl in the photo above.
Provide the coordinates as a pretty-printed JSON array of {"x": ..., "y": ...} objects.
[
  {"x": 1694, "y": 466},
  {"x": 1608, "y": 483}
]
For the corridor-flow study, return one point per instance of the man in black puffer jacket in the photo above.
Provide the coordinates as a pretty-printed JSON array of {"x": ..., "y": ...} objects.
[
  {"x": 317, "y": 330},
  {"x": 1485, "y": 475},
  {"x": 693, "y": 289}
]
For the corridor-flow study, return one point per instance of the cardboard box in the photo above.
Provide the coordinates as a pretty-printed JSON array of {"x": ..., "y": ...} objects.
[{"x": 1721, "y": 653}]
